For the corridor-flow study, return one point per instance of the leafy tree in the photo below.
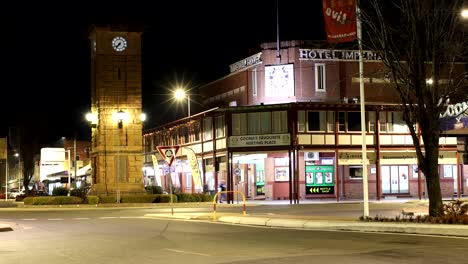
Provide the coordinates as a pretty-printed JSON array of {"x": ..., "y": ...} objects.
[{"x": 420, "y": 41}]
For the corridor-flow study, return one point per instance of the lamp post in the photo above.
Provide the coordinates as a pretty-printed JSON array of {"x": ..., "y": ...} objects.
[{"x": 180, "y": 94}]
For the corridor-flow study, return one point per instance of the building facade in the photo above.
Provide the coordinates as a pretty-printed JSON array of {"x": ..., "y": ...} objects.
[{"x": 285, "y": 124}]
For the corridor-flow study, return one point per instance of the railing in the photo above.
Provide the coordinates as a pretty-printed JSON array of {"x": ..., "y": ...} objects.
[{"x": 215, "y": 199}]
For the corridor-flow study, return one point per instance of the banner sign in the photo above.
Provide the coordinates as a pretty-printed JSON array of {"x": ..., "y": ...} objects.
[
  {"x": 193, "y": 162},
  {"x": 157, "y": 172},
  {"x": 320, "y": 179},
  {"x": 340, "y": 20}
]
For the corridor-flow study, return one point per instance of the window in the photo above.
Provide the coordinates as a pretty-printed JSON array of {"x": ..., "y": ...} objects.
[
  {"x": 196, "y": 131},
  {"x": 239, "y": 124},
  {"x": 301, "y": 121},
  {"x": 331, "y": 121},
  {"x": 280, "y": 122},
  {"x": 184, "y": 135},
  {"x": 354, "y": 121},
  {"x": 341, "y": 121},
  {"x": 265, "y": 124},
  {"x": 383, "y": 121},
  {"x": 259, "y": 123},
  {"x": 397, "y": 123},
  {"x": 219, "y": 126},
  {"x": 371, "y": 122},
  {"x": 320, "y": 77},
  {"x": 316, "y": 120},
  {"x": 355, "y": 172},
  {"x": 207, "y": 127},
  {"x": 254, "y": 82}
]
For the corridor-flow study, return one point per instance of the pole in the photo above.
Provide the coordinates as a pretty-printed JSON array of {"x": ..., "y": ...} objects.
[
  {"x": 69, "y": 182},
  {"x": 188, "y": 104},
  {"x": 6, "y": 169},
  {"x": 74, "y": 159},
  {"x": 363, "y": 116}
]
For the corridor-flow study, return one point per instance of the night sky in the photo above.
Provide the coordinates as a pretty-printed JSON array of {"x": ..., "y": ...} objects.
[{"x": 47, "y": 54}]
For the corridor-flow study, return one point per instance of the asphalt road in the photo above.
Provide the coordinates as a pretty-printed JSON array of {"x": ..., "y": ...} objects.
[{"x": 125, "y": 236}]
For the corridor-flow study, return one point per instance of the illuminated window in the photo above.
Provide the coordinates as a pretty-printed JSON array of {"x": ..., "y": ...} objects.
[{"x": 254, "y": 82}]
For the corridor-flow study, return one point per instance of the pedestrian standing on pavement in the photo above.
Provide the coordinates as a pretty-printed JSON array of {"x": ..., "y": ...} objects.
[{"x": 222, "y": 189}]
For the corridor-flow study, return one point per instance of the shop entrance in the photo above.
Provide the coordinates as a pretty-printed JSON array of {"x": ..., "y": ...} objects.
[{"x": 395, "y": 179}]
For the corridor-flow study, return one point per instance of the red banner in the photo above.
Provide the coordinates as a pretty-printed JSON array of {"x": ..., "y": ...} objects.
[{"x": 340, "y": 20}]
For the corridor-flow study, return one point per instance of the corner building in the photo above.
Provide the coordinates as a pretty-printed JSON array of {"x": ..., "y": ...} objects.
[{"x": 285, "y": 125}]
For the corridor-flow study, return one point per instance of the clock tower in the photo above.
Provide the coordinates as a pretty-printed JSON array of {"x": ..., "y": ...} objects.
[{"x": 116, "y": 103}]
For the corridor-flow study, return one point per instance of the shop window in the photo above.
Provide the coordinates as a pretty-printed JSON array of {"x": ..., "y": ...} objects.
[
  {"x": 301, "y": 121},
  {"x": 355, "y": 172},
  {"x": 219, "y": 126},
  {"x": 280, "y": 122},
  {"x": 320, "y": 77},
  {"x": 207, "y": 128}
]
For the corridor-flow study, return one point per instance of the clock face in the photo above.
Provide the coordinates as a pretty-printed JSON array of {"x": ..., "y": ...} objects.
[{"x": 119, "y": 44}]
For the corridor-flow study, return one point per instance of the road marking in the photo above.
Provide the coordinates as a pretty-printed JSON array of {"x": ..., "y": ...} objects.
[
  {"x": 4, "y": 219},
  {"x": 81, "y": 218},
  {"x": 130, "y": 217},
  {"x": 55, "y": 219},
  {"x": 187, "y": 252},
  {"x": 108, "y": 217},
  {"x": 29, "y": 219}
]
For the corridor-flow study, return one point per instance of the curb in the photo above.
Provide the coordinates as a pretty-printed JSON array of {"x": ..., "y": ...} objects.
[
  {"x": 5, "y": 228},
  {"x": 407, "y": 228}
]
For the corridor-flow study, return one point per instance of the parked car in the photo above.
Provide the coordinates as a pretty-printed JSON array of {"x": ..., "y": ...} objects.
[{"x": 14, "y": 192}]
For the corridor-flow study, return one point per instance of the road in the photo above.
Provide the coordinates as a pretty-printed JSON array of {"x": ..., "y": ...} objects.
[{"x": 125, "y": 236}]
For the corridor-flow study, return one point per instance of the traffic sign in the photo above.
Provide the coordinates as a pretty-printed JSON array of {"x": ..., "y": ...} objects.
[{"x": 168, "y": 153}]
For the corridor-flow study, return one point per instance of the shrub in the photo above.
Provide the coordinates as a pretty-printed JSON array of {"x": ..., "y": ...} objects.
[
  {"x": 154, "y": 189},
  {"x": 60, "y": 191},
  {"x": 144, "y": 198},
  {"x": 166, "y": 198},
  {"x": 455, "y": 208},
  {"x": 107, "y": 199},
  {"x": 81, "y": 192},
  {"x": 92, "y": 199},
  {"x": 66, "y": 200},
  {"x": 184, "y": 197}
]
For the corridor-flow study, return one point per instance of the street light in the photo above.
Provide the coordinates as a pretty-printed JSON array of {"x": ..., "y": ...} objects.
[
  {"x": 464, "y": 13},
  {"x": 180, "y": 94}
]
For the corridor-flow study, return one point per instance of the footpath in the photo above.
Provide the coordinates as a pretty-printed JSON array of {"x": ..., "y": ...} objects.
[
  {"x": 323, "y": 216},
  {"x": 337, "y": 222}
]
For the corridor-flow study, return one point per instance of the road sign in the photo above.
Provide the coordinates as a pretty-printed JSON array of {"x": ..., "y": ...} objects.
[{"x": 168, "y": 153}]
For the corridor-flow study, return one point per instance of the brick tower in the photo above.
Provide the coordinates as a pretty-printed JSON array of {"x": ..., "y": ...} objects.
[{"x": 116, "y": 102}]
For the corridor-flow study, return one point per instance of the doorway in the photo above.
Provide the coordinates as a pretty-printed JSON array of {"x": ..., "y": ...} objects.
[{"x": 395, "y": 179}]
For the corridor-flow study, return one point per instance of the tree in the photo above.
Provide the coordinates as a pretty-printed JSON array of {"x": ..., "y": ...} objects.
[{"x": 421, "y": 43}]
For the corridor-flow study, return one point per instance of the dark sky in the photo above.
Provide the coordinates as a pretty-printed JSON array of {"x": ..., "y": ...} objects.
[{"x": 47, "y": 53}]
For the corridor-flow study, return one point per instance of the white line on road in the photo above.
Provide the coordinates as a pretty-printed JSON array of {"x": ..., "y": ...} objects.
[
  {"x": 187, "y": 252},
  {"x": 108, "y": 217},
  {"x": 81, "y": 218},
  {"x": 29, "y": 219},
  {"x": 55, "y": 219},
  {"x": 130, "y": 217}
]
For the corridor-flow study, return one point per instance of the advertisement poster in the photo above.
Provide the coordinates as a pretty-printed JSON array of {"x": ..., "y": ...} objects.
[
  {"x": 260, "y": 182},
  {"x": 340, "y": 20},
  {"x": 320, "y": 179}
]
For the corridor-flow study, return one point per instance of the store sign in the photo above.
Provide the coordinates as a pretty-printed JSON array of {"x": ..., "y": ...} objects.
[
  {"x": 260, "y": 140},
  {"x": 245, "y": 63},
  {"x": 320, "y": 179},
  {"x": 337, "y": 55}
]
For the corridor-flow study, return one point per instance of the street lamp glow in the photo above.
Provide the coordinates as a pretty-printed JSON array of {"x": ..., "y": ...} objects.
[
  {"x": 464, "y": 13},
  {"x": 92, "y": 118},
  {"x": 180, "y": 94},
  {"x": 143, "y": 117}
]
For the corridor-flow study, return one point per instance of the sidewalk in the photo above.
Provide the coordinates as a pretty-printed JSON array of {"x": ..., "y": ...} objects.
[{"x": 326, "y": 223}]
